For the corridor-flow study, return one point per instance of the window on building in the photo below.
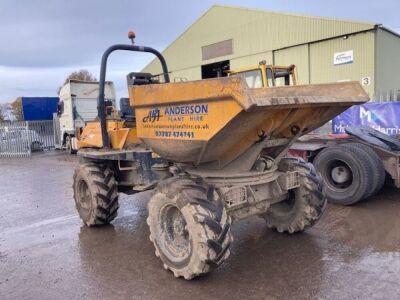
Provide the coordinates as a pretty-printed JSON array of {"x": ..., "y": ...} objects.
[{"x": 215, "y": 70}]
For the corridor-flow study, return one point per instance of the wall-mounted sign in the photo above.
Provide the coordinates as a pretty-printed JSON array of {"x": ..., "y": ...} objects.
[
  {"x": 366, "y": 81},
  {"x": 341, "y": 58},
  {"x": 222, "y": 48}
]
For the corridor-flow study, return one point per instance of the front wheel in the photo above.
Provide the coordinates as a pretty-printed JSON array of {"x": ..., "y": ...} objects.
[
  {"x": 304, "y": 205},
  {"x": 95, "y": 194},
  {"x": 189, "y": 227}
]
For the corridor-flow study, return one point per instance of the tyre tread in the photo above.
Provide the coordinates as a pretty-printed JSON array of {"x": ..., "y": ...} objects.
[
  {"x": 312, "y": 196},
  {"x": 208, "y": 213},
  {"x": 103, "y": 187}
]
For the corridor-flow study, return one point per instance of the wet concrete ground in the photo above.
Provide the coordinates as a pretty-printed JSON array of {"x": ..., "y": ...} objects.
[{"x": 46, "y": 253}]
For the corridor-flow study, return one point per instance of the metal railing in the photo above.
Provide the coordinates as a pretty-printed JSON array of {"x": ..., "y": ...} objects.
[
  {"x": 21, "y": 138},
  {"x": 392, "y": 95}
]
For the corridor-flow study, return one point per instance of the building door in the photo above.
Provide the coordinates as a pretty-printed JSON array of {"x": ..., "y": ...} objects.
[{"x": 214, "y": 70}]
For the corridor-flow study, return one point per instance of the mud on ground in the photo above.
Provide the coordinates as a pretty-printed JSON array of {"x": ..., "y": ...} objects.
[{"x": 46, "y": 253}]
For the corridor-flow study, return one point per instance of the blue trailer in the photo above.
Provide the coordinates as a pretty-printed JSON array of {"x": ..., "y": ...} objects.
[{"x": 39, "y": 108}]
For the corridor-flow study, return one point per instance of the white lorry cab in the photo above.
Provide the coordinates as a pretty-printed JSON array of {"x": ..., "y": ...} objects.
[{"x": 77, "y": 105}]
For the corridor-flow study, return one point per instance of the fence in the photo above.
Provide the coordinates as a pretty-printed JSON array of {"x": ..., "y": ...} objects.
[
  {"x": 392, "y": 95},
  {"x": 19, "y": 139}
]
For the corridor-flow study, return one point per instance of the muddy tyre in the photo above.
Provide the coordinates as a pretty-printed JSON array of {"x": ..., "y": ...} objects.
[
  {"x": 346, "y": 173},
  {"x": 378, "y": 169},
  {"x": 304, "y": 205},
  {"x": 95, "y": 194},
  {"x": 189, "y": 227}
]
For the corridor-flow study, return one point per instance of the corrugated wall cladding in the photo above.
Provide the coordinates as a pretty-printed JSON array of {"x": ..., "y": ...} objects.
[
  {"x": 323, "y": 70},
  {"x": 388, "y": 66},
  {"x": 251, "y": 60},
  {"x": 298, "y": 56},
  {"x": 219, "y": 49},
  {"x": 186, "y": 74},
  {"x": 253, "y": 32}
]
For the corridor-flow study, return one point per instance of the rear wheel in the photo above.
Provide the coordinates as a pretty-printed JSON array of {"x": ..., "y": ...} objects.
[
  {"x": 304, "y": 205},
  {"x": 347, "y": 174},
  {"x": 189, "y": 227},
  {"x": 95, "y": 194},
  {"x": 378, "y": 168}
]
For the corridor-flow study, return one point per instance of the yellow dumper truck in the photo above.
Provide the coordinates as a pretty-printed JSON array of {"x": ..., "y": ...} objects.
[
  {"x": 265, "y": 75},
  {"x": 213, "y": 151}
]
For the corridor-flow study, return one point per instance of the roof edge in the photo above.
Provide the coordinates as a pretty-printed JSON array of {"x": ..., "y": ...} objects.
[
  {"x": 380, "y": 26},
  {"x": 256, "y": 10},
  {"x": 293, "y": 14},
  {"x": 180, "y": 35}
]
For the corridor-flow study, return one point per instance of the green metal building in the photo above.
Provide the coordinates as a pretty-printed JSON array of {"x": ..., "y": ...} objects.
[{"x": 323, "y": 49}]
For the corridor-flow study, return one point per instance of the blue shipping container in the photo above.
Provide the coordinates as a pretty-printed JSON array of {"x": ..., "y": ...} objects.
[{"x": 39, "y": 108}]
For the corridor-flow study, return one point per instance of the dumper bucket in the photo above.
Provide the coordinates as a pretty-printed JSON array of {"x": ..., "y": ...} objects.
[{"x": 218, "y": 119}]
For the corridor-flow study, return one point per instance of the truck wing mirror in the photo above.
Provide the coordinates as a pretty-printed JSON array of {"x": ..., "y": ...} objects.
[{"x": 60, "y": 108}]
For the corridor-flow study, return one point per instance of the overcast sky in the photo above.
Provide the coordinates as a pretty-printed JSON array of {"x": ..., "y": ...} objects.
[{"x": 41, "y": 42}]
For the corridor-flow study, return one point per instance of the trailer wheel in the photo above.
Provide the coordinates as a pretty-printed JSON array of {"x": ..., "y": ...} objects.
[
  {"x": 304, "y": 205},
  {"x": 68, "y": 145},
  {"x": 378, "y": 168},
  {"x": 346, "y": 173},
  {"x": 189, "y": 227},
  {"x": 95, "y": 194}
]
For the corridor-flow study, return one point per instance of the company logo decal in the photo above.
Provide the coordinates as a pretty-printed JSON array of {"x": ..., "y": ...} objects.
[
  {"x": 342, "y": 58},
  {"x": 153, "y": 116},
  {"x": 187, "y": 110}
]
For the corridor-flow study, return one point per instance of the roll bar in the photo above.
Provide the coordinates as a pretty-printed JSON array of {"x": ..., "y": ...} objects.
[{"x": 101, "y": 110}]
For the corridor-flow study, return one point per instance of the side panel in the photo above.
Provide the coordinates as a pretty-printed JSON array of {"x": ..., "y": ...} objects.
[
  {"x": 80, "y": 103},
  {"x": 218, "y": 119},
  {"x": 39, "y": 108},
  {"x": 66, "y": 119},
  {"x": 251, "y": 60},
  {"x": 388, "y": 66},
  {"x": 91, "y": 90},
  {"x": 297, "y": 56},
  {"x": 322, "y": 65},
  {"x": 120, "y": 136},
  {"x": 184, "y": 75},
  {"x": 197, "y": 121},
  {"x": 85, "y": 109}
]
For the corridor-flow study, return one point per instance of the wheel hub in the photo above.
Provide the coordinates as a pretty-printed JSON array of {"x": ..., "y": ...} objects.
[
  {"x": 176, "y": 235},
  {"x": 84, "y": 195},
  {"x": 340, "y": 174}
]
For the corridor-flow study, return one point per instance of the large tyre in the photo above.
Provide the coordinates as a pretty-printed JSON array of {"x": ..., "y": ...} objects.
[
  {"x": 189, "y": 227},
  {"x": 378, "y": 168},
  {"x": 346, "y": 173},
  {"x": 95, "y": 194},
  {"x": 304, "y": 205}
]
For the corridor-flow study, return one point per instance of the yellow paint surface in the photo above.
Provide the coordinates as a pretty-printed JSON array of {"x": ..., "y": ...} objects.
[
  {"x": 162, "y": 123},
  {"x": 120, "y": 136}
]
